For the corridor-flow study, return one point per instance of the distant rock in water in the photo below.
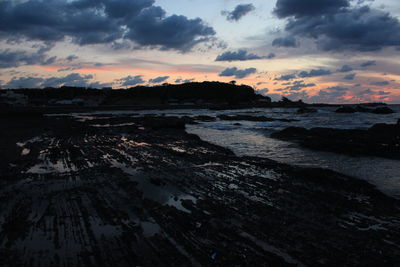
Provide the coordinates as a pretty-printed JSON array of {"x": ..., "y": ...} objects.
[
  {"x": 306, "y": 110},
  {"x": 360, "y": 108},
  {"x": 383, "y": 110},
  {"x": 250, "y": 118},
  {"x": 381, "y": 140},
  {"x": 346, "y": 110},
  {"x": 363, "y": 109}
]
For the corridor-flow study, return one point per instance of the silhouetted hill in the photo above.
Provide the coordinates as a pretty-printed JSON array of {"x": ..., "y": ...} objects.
[
  {"x": 192, "y": 93},
  {"x": 211, "y": 92}
]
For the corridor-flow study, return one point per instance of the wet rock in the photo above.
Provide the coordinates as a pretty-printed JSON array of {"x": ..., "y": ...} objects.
[
  {"x": 360, "y": 108},
  {"x": 250, "y": 118},
  {"x": 378, "y": 110},
  {"x": 346, "y": 109},
  {"x": 103, "y": 202},
  {"x": 383, "y": 110},
  {"x": 305, "y": 110},
  {"x": 380, "y": 140}
]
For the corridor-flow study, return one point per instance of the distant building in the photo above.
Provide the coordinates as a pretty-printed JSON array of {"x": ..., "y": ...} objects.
[
  {"x": 264, "y": 99},
  {"x": 84, "y": 101},
  {"x": 11, "y": 98}
]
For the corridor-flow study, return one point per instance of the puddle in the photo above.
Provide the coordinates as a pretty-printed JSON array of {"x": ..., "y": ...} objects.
[
  {"x": 165, "y": 194},
  {"x": 25, "y": 151}
]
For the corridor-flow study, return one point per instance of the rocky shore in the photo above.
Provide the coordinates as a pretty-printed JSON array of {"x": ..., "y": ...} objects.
[
  {"x": 382, "y": 140},
  {"x": 140, "y": 191}
]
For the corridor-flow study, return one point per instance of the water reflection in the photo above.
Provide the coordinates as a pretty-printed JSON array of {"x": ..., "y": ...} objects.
[{"x": 384, "y": 173}]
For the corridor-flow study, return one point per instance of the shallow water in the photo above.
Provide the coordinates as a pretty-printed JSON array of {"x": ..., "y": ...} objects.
[{"x": 252, "y": 138}]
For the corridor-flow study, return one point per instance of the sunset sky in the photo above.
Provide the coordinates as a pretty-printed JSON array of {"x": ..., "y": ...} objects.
[{"x": 337, "y": 51}]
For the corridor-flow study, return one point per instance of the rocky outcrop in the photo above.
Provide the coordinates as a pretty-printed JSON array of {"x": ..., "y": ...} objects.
[
  {"x": 383, "y": 110},
  {"x": 346, "y": 110},
  {"x": 250, "y": 118},
  {"x": 306, "y": 110},
  {"x": 380, "y": 140},
  {"x": 359, "y": 108}
]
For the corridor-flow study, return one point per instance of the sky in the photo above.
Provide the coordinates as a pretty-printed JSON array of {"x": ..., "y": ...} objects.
[{"x": 333, "y": 51}]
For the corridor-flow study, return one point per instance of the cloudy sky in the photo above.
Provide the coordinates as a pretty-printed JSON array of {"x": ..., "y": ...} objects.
[{"x": 334, "y": 51}]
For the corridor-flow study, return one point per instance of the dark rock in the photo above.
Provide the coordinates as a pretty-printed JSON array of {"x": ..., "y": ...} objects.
[
  {"x": 346, "y": 110},
  {"x": 306, "y": 110},
  {"x": 360, "y": 108},
  {"x": 250, "y": 118},
  {"x": 380, "y": 140},
  {"x": 290, "y": 132},
  {"x": 383, "y": 110},
  {"x": 385, "y": 129}
]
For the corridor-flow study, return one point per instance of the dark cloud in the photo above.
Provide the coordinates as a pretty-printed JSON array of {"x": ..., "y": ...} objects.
[
  {"x": 337, "y": 26},
  {"x": 241, "y": 55},
  {"x": 368, "y": 63},
  {"x": 73, "y": 79},
  {"x": 350, "y": 77},
  {"x": 297, "y": 86},
  {"x": 286, "y": 77},
  {"x": 381, "y": 83},
  {"x": 185, "y": 80},
  {"x": 345, "y": 68},
  {"x": 365, "y": 92},
  {"x": 263, "y": 92},
  {"x": 330, "y": 95},
  {"x": 11, "y": 59},
  {"x": 100, "y": 21},
  {"x": 384, "y": 93},
  {"x": 79, "y": 65},
  {"x": 159, "y": 79},
  {"x": 152, "y": 28},
  {"x": 237, "y": 73},
  {"x": 238, "y": 12},
  {"x": 337, "y": 88},
  {"x": 306, "y": 8},
  {"x": 314, "y": 73},
  {"x": 131, "y": 80},
  {"x": 288, "y": 41},
  {"x": 370, "y": 92},
  {"x": 24, "y": 82},
  {"x": 51, "y": 21},
  {"x": 71, "y": 58}
]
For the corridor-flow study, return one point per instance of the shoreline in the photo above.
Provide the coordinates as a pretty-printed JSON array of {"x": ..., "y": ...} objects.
[{"x": 149, "y": 193}]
